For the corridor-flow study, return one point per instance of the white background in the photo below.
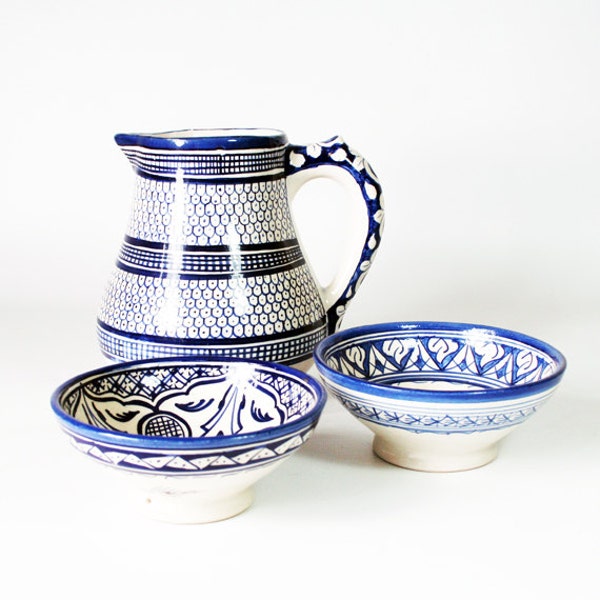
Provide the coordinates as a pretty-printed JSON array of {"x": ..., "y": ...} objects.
[{"x": 481, "y": 120}]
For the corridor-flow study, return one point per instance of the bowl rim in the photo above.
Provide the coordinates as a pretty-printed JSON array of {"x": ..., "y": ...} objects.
[
  {"x": 141, "y": 442},
  {"x": 436, "y": 396}
]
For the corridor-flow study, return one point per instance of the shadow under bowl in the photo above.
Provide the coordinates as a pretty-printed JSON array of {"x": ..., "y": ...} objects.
[{"x": 438, "y": 396}]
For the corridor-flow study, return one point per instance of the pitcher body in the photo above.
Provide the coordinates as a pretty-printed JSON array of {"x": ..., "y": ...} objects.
[{"x": 211, "y": 264}]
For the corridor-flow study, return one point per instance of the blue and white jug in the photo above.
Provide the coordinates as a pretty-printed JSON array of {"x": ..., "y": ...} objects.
[{"x": 211, "y": 264}]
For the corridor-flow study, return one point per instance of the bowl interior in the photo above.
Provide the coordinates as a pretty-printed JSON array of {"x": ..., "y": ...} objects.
[
  {"x": 208, "y": 399},
  {"x": 470, "y": 359}
]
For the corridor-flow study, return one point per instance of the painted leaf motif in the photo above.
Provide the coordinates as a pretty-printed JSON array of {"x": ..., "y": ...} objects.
[
  {"x": 245, "y": 409},
  {"x": 356, "y": 356},
  {"x": 195, "y": 406},
  {"x": 261, "y": 415},
  {"x": 123, "y": 416},
  {"x": 442, "y": 350},
  {"x": 296, "y": 159},
  {"x": 396, "y": 350},
  {"x": 488, "y": 353},
  {"x": 314, "y": 150},
  {"x": 265, "y": 408},
  {"x": 379, "y": 363},
  {"x": 528, "y": 366},
  {"x": 111, "y": 413}
]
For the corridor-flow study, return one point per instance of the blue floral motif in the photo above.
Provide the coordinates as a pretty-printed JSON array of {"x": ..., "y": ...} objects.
[
  {"x": 494, "y": 363},
  {"x": 185, "y": 416},
  {"x": 439, "y": 377}
]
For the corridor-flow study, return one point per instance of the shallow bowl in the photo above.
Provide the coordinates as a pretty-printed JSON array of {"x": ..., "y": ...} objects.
[
  {"x": 193, "y": 435},
  {"x": 438, "y": 396}
]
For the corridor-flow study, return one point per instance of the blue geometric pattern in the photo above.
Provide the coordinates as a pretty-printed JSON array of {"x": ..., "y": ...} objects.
[
  {"x": 210, "y": 263},
  {"x": 210, "y": 260},
  {"x": 194, "y": 398},
  {"x": 482, "y": 362},
  {"x": 439, "y": 422},
  {"x": 184, "y": 416},
  {"x": 193, "y": 463},
  {"x": 438, "y": 378},
  {"x": 269, "y": 348},
  {"x": 232, "y": 213},
  {"x": 204, "y": 165},
  {"x": 154, "y": 260}
]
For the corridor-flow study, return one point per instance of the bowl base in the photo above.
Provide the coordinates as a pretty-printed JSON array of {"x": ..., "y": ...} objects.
[
  {"x": 194, "y": 499},
  {"x": 191, "y": 507},
  {"x": 439, "y": 453}
]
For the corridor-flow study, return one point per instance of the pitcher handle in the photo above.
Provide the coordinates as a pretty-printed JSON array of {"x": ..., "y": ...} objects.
[{"x": 333, "y": 159}]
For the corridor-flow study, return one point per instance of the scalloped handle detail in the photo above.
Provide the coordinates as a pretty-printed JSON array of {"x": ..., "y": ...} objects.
[{"x": 334, "y": 159}]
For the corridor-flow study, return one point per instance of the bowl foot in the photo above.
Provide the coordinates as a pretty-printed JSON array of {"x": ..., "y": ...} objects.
[
  {"x": 174, "y": 506},
  {"x": 193, "y": 498},
  {"x": 438, "y": 452}
]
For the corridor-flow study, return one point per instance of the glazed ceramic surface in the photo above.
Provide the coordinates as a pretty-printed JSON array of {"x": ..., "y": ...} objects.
[
  {"x": 199, "y": 432},
  {"x": 438, "y": 396},
  {"x": 211, "y": 264}
]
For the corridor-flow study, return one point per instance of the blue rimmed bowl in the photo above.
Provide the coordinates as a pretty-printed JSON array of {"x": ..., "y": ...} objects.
[
  {"x": 193, "y": 435},
  {"x": 438, "y": 396}
]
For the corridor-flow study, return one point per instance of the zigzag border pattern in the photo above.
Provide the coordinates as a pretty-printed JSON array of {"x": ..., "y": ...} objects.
[
  {"x": 192, "y": 463},
  {"x": 439, "y": 423}
]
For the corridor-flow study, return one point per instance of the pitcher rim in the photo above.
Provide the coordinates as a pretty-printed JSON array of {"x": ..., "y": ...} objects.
[{"x": 238, "y": 138}]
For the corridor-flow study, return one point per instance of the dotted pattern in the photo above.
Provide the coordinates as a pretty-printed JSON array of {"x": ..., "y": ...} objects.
[
  {"x": 204, "y": 262},
  {"x": 201, "y": 214},
  {"x": 230, "y": 308},
  {"x": 173, "y": 291},
  {"x": 335, "y": 152},
  {"x": 291, "y": 349},
  {"x": 201, "y": 262}
]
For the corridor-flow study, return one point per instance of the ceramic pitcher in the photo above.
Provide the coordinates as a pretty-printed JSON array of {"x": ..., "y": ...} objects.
[{"x": 211, "y": 264}]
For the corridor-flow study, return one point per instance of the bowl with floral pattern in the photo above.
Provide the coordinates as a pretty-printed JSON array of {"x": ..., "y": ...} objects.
[
  {"x": 438, "y": 396},
  {"x": 193, "y": 435}
]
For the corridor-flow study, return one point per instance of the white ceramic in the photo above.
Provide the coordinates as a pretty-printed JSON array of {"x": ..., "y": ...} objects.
[
  {"x": 191, "y": 436},
  {"x": 211, "y": 264},
  {"x": 438, "y": 396}
]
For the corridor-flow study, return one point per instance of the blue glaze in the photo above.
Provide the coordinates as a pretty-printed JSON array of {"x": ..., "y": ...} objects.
[
  {"x": 96, "y": 409},
  {"x": 206, "y": 139},
  {"x": 512, "y": 372},
  {"x": 335, "y": 152},
  {"x": 211, "y": 258}
]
